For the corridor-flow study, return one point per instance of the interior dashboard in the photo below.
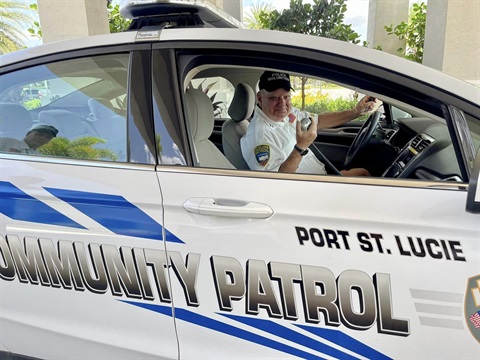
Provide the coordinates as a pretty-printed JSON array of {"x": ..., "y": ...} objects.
[{"x": 424, "y": 151}]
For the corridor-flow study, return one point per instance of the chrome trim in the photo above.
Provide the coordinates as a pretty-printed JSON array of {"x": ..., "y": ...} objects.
[
  {"x": 372, "y": 181},
  {"x": 77, "y": 162}
]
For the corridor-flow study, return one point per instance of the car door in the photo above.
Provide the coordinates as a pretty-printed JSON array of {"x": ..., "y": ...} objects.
[
  {"x": 272, "y": 265},
  {"x": 81, "y": 219}
]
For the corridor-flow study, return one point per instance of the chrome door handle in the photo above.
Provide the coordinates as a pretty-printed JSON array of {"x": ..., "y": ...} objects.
[{"x": 227, "y": 208}]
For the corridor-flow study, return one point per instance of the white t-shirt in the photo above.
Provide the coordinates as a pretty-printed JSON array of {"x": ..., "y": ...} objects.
[
  {"x": 267, "y": 144},
  {"x": 15, "y": 146}
]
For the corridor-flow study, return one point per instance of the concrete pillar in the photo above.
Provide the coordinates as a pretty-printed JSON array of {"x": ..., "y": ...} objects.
[
  {"x": 452, "y": 38},
  {"x": 234, "y": 8},
  {"x": 383, "y": 13},
  {"x": 69, "y": 19}
]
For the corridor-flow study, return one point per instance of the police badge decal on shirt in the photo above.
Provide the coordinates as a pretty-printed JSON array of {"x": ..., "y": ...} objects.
[{"x": 262, "y": 154}]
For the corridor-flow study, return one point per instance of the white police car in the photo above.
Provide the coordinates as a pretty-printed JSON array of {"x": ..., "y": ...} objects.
[{"x": 157, "y": 242}]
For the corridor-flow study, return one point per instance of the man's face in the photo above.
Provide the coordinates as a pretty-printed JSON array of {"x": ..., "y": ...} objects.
[
  {"x": 275, "y": 104},
  {"x": 35, "y": 139}
]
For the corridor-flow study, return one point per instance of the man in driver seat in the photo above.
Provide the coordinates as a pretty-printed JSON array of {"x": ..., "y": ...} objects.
[{"x": 275, "y": 141}]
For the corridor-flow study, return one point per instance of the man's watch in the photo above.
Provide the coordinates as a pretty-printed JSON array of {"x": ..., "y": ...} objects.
[{"x": 302, "y": 152}]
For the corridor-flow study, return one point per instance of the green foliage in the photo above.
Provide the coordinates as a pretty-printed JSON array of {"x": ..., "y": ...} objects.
[
  {"x": 14, "y": 16},
  {"x": 35, "y": 30},
  {"x": 413, "y": 32},
  {"x": 252, "y": 18},
  {"x": 316, "y": 102},
  {"x": 158, "y": 142},
  {"x": 322, "y": 18},
  {"x": 32, "y": 104},
  {"x": 81, "y": 148},
  {"x": 116, "y": 21}
]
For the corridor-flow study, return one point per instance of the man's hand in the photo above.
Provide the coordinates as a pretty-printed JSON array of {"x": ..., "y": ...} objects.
[
  {"x": 365, "y": 105},
  {"x": 306, "y": 138}
]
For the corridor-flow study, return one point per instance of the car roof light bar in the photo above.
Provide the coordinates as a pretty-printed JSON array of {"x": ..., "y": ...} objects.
[{"x": 177, "y": 12}]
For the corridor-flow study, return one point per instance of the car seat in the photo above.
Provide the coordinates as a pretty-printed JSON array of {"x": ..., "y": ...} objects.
[
  {"x": 15, "y": 121},
  {"x": 240, "y": 111},
  {"x": 68, "y": 124},
  {"x": 201, "y": 121}
]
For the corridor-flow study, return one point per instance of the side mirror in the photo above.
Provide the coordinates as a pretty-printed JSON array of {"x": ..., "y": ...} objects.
[{"x": 473, "y": 195}]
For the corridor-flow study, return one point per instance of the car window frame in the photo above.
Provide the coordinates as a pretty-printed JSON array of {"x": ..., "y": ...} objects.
[
  {"x": 191, "y": 54},
  {"x": 136, "y": 112}
]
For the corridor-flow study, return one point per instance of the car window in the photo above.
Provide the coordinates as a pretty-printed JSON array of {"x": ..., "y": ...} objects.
[
  {"x": 410, "y": 141},
  {"x": 83, "y": 99},
  {"x": 318, "y": 96},
  {"x": 219, "y": 90},
  {"x": 474, "y": 127}
]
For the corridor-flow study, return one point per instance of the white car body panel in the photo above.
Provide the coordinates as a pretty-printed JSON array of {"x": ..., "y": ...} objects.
[
  {"x": 213, "y": 263},
  {"x": 419, "y": 294},
  {"x": 58, "y": 315}
]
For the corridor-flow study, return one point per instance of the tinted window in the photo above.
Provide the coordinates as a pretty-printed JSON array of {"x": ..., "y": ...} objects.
[{"x": 84, "y": 99}]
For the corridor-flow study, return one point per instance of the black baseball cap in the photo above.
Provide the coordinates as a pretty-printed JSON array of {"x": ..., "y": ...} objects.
[{"x": 273, "y": 80}]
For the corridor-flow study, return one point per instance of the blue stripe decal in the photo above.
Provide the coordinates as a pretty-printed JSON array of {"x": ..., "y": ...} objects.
[
  {"x": 346, "y": 341},
  {"x": 216, "y": 325},
  {"x": 18, "y": 205},
  {"x": 115, "y": 213},
  {"x": 286, "y": 333}
]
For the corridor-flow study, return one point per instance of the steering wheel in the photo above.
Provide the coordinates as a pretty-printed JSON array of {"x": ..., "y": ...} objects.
[{"x": 362, "y": 138}]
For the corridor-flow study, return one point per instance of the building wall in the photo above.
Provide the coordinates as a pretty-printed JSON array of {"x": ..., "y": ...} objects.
[
  {"x": 452, "y": 34},
  {"x": 383, "y": 13},
  {"x": 452, "y": 38},
  {"x": 68, "y": 19}
]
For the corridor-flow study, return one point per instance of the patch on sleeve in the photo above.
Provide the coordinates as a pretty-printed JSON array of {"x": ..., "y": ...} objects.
[
  {"x": 262, "y": 154},
  {"x": 291, "y": 118}
]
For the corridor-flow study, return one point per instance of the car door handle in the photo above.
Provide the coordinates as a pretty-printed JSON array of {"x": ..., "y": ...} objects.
[{"x": 227, "y": 208}]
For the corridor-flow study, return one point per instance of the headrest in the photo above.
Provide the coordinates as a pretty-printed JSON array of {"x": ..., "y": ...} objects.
[
  {"x": 101, "y": 108},
  {"x": 67, "y": 123},
  {"x": 200, "y": 114},
  {"x": 243, "y": 102},
  {"x": 14, "y": 119}
]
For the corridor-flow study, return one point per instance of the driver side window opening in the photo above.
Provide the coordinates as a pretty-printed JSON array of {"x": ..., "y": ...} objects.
[{"x": 408, "y": 142}]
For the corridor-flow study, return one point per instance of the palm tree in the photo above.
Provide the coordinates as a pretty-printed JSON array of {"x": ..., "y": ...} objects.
[
  {"x": 80, "y": 148},
  {"x": 14, "y": 16},
  {"x": 252, "y": 18}
]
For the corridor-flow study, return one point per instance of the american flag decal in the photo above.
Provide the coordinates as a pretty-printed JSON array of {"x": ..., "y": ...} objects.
[
  {"x": 472, "y": 306},
  {"x": 475, "y": 319}
]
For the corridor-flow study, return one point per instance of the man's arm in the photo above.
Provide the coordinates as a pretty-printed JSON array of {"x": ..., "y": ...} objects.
[{"x": 332, "y": 119}]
